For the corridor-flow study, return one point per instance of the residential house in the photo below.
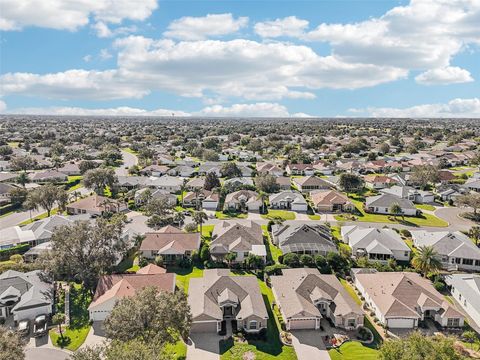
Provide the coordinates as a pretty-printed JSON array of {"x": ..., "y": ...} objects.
[
  {"x": 5, "y": 190},
  {"x": 132, "y": 182},
  {"x": 303, "y": 239},
  {"x": 198, "y": 183},
  {"x": 48, "y": 176},
  {"x": 243, "y": 200},
  {"x": 24, "y": 295},
  {"x": 323, "y": 167},
  {"x": 112, "y": 288},
  {"x": 70, "y": 169},
  {"x": 377, "y": 182},
  {"x": 245, "y": 169},
  {"x": 473, "y": 184},
  {"x": 456, "y": 250},
  {"x": 401, "y": 300},
  {"x": 238, "y": 181},
  {"x": 375, "y": 244},
  {"x": 240, "y": 237},
  {"x": 206, "y": 200},
  {"x": 96, "y": 205},
  {"x": 381, "y": 204},
  {"x": 144, "y": 195},
  {"x": 410, "y": 193},
  {"x": 214, "y": 167},
  {"x": 465, "y": 289},
  {"x": 305, "y": 297},
  {"x": 445, "y": 176},
  {"x": 284, "y": 182},
  {"x": 172, "y": 184},
  {"x": 170, "y": 243},
  {"x": 7, "y": 177},
  {"x": 218, "y": 296},
  {"x": 182, "y": 170},
  {"x": 331, "y": 201},
  {"x": 288, "y": 199},
  {"x": 154, "y": 170},
  {"x": 309, "y": 183},
  {"x": 300, "y": 169},
  {"x": 264, "y": 168}
]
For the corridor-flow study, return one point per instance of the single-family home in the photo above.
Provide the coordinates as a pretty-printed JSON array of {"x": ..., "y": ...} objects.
[
  {"x": 24, "y": 295},
  {"x": 410, "y": 193},
  {"x": 473, "y": 184},
  {"x": 207, "y": 200},
  {"x": 264, "y": 168},
  {"x": 305, "y": 297},
  {"x": 283, "y": 182},
  {"x": 300, "y": 169},
  {"x": 238, "y": 181},
  {"x": 375, "y": 244},
  {"x": 144, "y": 195},
  {"x": 465, "y": 289},
  {"x": 5, "y": 192},
  {"x": 214, "y": 167},
  {"x": 380, "y": 204},
  {"x": 48, "y": 176},
  {"x": 240, "y": 237},
  {"x": 182, "y": 170},
  {"x": 242, "y": 200},
  {"x": 172, "y": 184},
  {"x": 309, "y": 183},
  {"x": 401, "y": 300},
  {"x": 197, "y": 183},
  {"x": 455, "y": 249},
  {"x": 96, "y": 205},
  {"x": 218, "y": 297},
  {"x": 331, "y": 201},
  {"x": 70, "y": 169},
  {"x": 154, "y": 170},
  {"x": 288, "y": 199},
  {"x": 112, "y": 288},
  {"x": 377, "y": 182},
  {"x": 170, "y": 243},
  {"x": 303, "y": 239}
]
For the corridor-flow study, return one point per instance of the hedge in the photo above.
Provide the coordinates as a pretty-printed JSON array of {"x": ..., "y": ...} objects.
[
  {"x": 19, "y": 249},
  {"x": 7, "y": 208}
]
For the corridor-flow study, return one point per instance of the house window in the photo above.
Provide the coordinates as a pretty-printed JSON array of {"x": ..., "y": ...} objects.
[
  {"x": 458, "y": 260},
  {"x": 453, "y": 322},
  {"x": 467, "y": 261},
  {"x": 406, "y": 253},
  {"x": 253, "y": 325},
  {"x": 351, "y": 322},
  {"x": 245, "y": 254},
  {"x": 477, "y": 262}
]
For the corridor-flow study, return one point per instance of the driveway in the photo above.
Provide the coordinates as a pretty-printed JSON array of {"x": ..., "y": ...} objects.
[
  {"x": 129, "y": 160},
  {"x": 308, "y": 345},
  {"x": 45, "y": 354},
  {"x": 203, "y": 347},
  {"x": 96, "y": 335}
]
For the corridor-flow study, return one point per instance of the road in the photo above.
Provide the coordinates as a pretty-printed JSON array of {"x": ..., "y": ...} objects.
[{"x": 129, "y": 160}]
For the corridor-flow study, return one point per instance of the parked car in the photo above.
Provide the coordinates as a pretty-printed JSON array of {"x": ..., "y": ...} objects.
[
  {"x": 40, "y": 325},
  {"x": 23, "y": 328}
]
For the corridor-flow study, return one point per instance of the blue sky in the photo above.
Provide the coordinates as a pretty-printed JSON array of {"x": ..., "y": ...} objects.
[{"x": 241, "y": 58}]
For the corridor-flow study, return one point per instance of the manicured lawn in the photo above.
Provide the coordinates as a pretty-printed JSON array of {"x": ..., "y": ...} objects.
[
  {"x": 353, "y": 350},
  {"x": 207, "y": 231},
  {"x": 263, "y": 350},
  {"x": 423, "y": 220},
  {"x": 13, "y": 144},
  {"x": 79, "y": 320},
  {"x": 39, "y": 217},
  {"x": 179, "y": 350},
  {"x": 314, "y": 217},
  {"x": 336, "y": 232},
  {"x": 183, "y": 276},
  {"x": 427, "y": 207},
  {"x": 279, "y": 214},
  {"x": 229, "y": 215},
  {"x": 351, "y": 291},
  {"x": 127, "y": 264},
  {"x": 272, "y": 250}
]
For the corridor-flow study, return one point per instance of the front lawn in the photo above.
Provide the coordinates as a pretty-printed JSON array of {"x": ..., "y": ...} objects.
[
  {"x": 207, "y": 231},
  {"x": 75, "y": 334},
  {"x": 39, "y": 217},
  {"x": 427, "y": 207},
  {"x": 279, "y": 214},
  {"x": 179, "y": 350},
  {"x": 272, "y": 251},
  {"x": 183, "y": 276},
  {"x": 353, "y": 350},
  {"x": 230, "y": 215},
  {"x": 314, "y": 217},
  {"x": 263, "y": 350},
  {"x": 423, "y": 220}
]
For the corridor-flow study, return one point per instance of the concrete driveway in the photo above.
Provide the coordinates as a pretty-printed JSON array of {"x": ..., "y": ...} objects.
[
  {"x": 308, "y": 345},
  {"x": 203, "y": 347},
  {"x": 45, "y": 354}
]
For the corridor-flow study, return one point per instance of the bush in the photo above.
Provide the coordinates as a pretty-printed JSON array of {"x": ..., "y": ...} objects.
[
  {"x": 143, "y": 262},
  {"x": 306, "y": 260},
  {"x": 270, "y": 224},
  {"x": 190, "y": 227},
  {"x": 405, "y": 233},
  {"x": 439, "y": 285},
  {"x": 291, "y": 259},
  {"x": 280, "y": 259},
  {"x": 19, "y": 249},
  {"x": 159, "y": 260},
  {"x": 275, "y": 269}
]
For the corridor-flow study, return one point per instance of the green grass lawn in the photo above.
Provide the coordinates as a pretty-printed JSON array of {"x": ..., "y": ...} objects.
[
  {"x": 183, "y": 276},
  {"x": 127, "y": 149},
  {"x": 353, "y": 350},
  {"x": 336, "y": 232},
  {"x": 279, "y": 214},
  {"x": 272, "y": 251},
  {"x": 207, "y": 231},
  {"x": 39, "y": 217},
  {"x": 351, "y": 291},
  {"x": 128, "y": 263},
  {"x": 229, "y": 215},
  {"x": 427, "y": 207},
  {"x": 263, "y": 350},
  {"x": 314, "y": 217},
  {"x": 423, "y": 220},
  {"x": 179, "y": 350},
  {"x": 79, "y": 327}
]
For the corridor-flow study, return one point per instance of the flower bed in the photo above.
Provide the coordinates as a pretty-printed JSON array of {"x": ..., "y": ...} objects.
[{"x": 286, "y": 338}]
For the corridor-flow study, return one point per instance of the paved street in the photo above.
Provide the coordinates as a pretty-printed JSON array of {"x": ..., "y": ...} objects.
[
  {"x": 452, "y": 216},
  {"x": 203, "y": 347},
  {"x": 129, "y": 160},
  {"x": 308, "y": 345}
]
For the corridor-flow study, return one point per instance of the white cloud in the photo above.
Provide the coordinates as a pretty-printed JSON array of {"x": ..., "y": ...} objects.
[
  {"x": 455, "y": 108},
  {"x": 289, "y": 26},
  {"x": 422, "y": 35},
  {"x": 239, "y": 110},
  {"x": 447, "y": 75},
  {"x": 199, "y": 28},
  {"x": 103, "y": 31},
  {"x": 87, "y": 58},
  {"x": 69, "y": 14},
  {"x": 3, "y": 106},
  {"x": 105, "y": 54}
]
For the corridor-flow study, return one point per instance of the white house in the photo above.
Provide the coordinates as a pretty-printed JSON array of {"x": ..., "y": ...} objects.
[
  {"x": 288, "y": 199},
  {"x": 381, "y": 204},
  {"x": 465, "y": 288}
]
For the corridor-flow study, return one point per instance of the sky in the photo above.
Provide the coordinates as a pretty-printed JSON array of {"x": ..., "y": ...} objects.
[{"x": 282, "y": 58}]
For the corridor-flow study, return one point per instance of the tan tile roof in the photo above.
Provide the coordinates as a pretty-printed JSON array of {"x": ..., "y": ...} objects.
[
  {"x": 151, "y": 269},
  {"x": 328, "y": 197},
  {"x": 170, "y": 237},
  {"x": 93, "y": 203}
]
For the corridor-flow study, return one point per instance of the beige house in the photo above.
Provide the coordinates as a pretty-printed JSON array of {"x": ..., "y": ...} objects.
[
  {"x": 218, "y": 297},
  {"x": 331, "y": 201},
  {"x": 96, "y": 205},
  {"x": 242, "y": 200},
  {"x": 401, "y": 300},
  {"x": 309, "y": 183},
  {"x": 170, "y": 243},
  {"x": 304, "y": 297}
]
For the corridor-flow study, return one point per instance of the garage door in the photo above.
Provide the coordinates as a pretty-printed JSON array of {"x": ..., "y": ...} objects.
[
  {"x": 204, "y": 327},
  {"x": 401, "y": 323},
  {"x": 298, "y": 324}
]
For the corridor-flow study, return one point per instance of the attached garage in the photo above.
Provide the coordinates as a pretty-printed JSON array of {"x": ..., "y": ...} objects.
[
  {"x": 204, "y": 327},
  {"x": 401, "y": 323},
  {"x": 299, "y": 324}
]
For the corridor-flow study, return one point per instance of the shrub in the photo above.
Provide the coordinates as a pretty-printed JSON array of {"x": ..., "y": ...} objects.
[
  {"x": 143, "y": 262},
  {"x": 405, "y": 233},
  {"x": 275, "y": 269},
  {"x": 439, "y": 285},
  {"x": 306, "y": 260},
  {"x": 280, "y": 259},
  {"x": 291, "y": 259},
  {"x": 190, "y": 227},
  {"x": 159, "y": 260}
]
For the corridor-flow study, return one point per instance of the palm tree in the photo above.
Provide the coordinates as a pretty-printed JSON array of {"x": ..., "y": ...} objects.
[
  {"x": 183, "y": 188},
  {"x": 474, "y": 233},
  {"x": 199, "y": 217},
  {"x": 22, "y": 179},
  {"x": 76, "y": 194},
  {"x": 395, "y": 209},
  {"x": 230, "y": 257},
  {"x": 263, "y": 196},
  {"x": 197, "y": 191},
  {"x": 426, "y": 260}
]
